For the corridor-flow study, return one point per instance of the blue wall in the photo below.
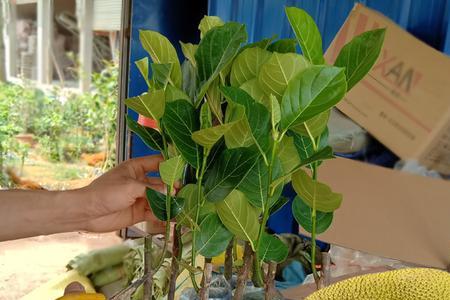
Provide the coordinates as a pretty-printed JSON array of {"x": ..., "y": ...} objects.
[
  {"x": 426, "y": 19},
  {"x": 178, "y": 21}
]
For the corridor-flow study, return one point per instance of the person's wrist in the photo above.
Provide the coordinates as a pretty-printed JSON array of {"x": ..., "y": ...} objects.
[{"x": 78, "y": 205}]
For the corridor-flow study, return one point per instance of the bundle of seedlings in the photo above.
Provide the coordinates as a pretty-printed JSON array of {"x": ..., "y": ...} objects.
[{"x": 237, "y": 122}]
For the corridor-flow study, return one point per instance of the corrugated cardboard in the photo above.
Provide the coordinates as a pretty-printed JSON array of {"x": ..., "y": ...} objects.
[
  {"x": 404, "y": 101},
  {"x": 389, "y": 213}
]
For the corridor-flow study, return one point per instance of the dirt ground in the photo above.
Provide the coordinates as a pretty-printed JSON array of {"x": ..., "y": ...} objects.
[
  {"x": 56, "y": 176},
  {"x": 27, "y": 263}
]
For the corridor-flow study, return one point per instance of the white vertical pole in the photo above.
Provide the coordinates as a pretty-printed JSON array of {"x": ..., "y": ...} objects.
[
  {"x": 45, "y": 38},
  {"x": 9, "y": 34},
  {"x": 85, "y": 15}
]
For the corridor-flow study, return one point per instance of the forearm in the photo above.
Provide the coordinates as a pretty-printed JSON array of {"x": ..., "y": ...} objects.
[{"x": 30, "y": 213}]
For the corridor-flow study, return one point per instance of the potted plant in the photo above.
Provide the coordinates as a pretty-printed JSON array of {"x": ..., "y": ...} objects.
[{"x": 245, "y": 120}]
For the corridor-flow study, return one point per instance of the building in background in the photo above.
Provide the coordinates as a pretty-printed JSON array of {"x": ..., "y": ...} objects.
[{"x": 59, "y": 40}]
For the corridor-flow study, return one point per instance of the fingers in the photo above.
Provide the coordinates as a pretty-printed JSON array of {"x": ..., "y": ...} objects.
[
  {"x": 153, "y": 180},
  {"x": 143, "y": 165},
  {"x": 137, "y": 188},
  {"x": 131, "y": 215}
]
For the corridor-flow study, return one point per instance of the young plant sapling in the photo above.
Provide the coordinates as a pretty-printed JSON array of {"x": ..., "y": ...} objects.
[{"x": 244, "y": 120}]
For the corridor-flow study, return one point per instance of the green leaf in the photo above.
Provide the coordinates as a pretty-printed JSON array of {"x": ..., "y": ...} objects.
[
  {"x": 205, "y": 116},
  {"x": 258, "y": 116},
  {"x": 142, "y": 65},
  {"x": 189, "y": 193},
  {"x": 275, "y": 111},
  {"x": 239, "y": 135},
  {"x": 272, "y": 249},
  {"x": 253, "y": 88},
  {"x": 359, "y": 55},
  {"x": 180, "y": 121},
  {"x": 283, "y": 46},
  {"x": 150, "y": 105},
  {"x": 312, "y": 92},
  {"x": 216, "y": 50},
  {"x": 189, "y": 73},
  {"x": 173, "y": 93},
  {"x": 277, "y": 205},
  {"x": 209, "y": 136},
  {"x": 239, "y": 217},
  {"x": 302, "y": 213},
  {"x": 207, "y": 23},
  {"x": 315, "y": 192},
  {"x": 316, "y": 125},
  {"x": 323, "y": 154},
  {"x": 255, "y": 184},
  {"x": 307, "y": 33},
  {"x": 214, "y": 99},
  {"x": 288, "y": 155},
  {"x": 305, "y": 147},
  {"x": 213, "y": 237},
  {"x": 247, "y": 64},
  {"x": 229, "y": 170},
  {"x": 161, "y": 74},
  {"x": 263, "y": 44},
  {"x": 189, "y": 50},
  {"x": 162, "y": 52},
  {"x": 151, "y": 137},
  {"x": 157, "y": 202},
  {"x": 171, "y": 170},
  {"x": 279, "y": 69}
]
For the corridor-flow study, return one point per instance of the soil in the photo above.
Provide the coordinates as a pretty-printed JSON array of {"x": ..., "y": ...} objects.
[
  {"x": 56, "y": 176},
  {"x": 26, "y": 264}
]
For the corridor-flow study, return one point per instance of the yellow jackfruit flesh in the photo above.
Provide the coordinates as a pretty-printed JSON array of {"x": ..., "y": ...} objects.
[{"x": 403, "y": 284}]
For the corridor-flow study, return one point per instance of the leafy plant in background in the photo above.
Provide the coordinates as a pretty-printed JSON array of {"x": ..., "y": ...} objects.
[
  {"x": 245, "y": 120},
  {"x": 65, "y": 124},
  {"x": 9, "y": 126}
]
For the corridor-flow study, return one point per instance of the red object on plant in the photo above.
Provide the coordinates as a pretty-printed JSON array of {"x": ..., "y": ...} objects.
[{"x": 147, "y": 122}]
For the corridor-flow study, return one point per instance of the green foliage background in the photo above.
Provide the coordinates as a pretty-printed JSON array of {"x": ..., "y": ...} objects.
[{"x": 65, "y": 124}]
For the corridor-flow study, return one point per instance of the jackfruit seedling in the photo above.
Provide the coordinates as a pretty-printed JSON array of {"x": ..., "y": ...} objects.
[{"x": 403, "y": 284}]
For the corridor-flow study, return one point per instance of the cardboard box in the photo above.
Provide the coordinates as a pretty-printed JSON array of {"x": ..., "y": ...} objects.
[
  {"x": 404, "y": 101},
  {"x": 389, "y": 213}
]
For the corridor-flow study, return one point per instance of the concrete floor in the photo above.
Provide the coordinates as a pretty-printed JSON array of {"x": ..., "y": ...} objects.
[{"x": 27, "y": 263}]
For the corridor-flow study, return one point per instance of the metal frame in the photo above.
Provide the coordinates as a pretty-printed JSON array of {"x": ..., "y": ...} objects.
[{"x": 122, "y": 148}]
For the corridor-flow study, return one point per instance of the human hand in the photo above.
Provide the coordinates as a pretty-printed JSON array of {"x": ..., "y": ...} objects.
[{"x": 117, "y": 198}]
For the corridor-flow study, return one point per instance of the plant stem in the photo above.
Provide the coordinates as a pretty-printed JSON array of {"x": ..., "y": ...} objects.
[
  {"x": 197, "y": 214},
  {"x": 148, "y": 284},
  {"x": 174, "y": 267},
  {"x": 206, "y": 282},
  {"x": 313, "y": 232},
  {"x": 270, "y": 290},
  {"x": 257, "y": 266},
  {"x": 168, "y": 204},
  {"x": 167, "y": 233},
  {"x": 313, "y": 213},
  {"x": 243, "y": 274},
  {"x": 228, "y": 268},
  {"x": 257, "y": 278}
]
